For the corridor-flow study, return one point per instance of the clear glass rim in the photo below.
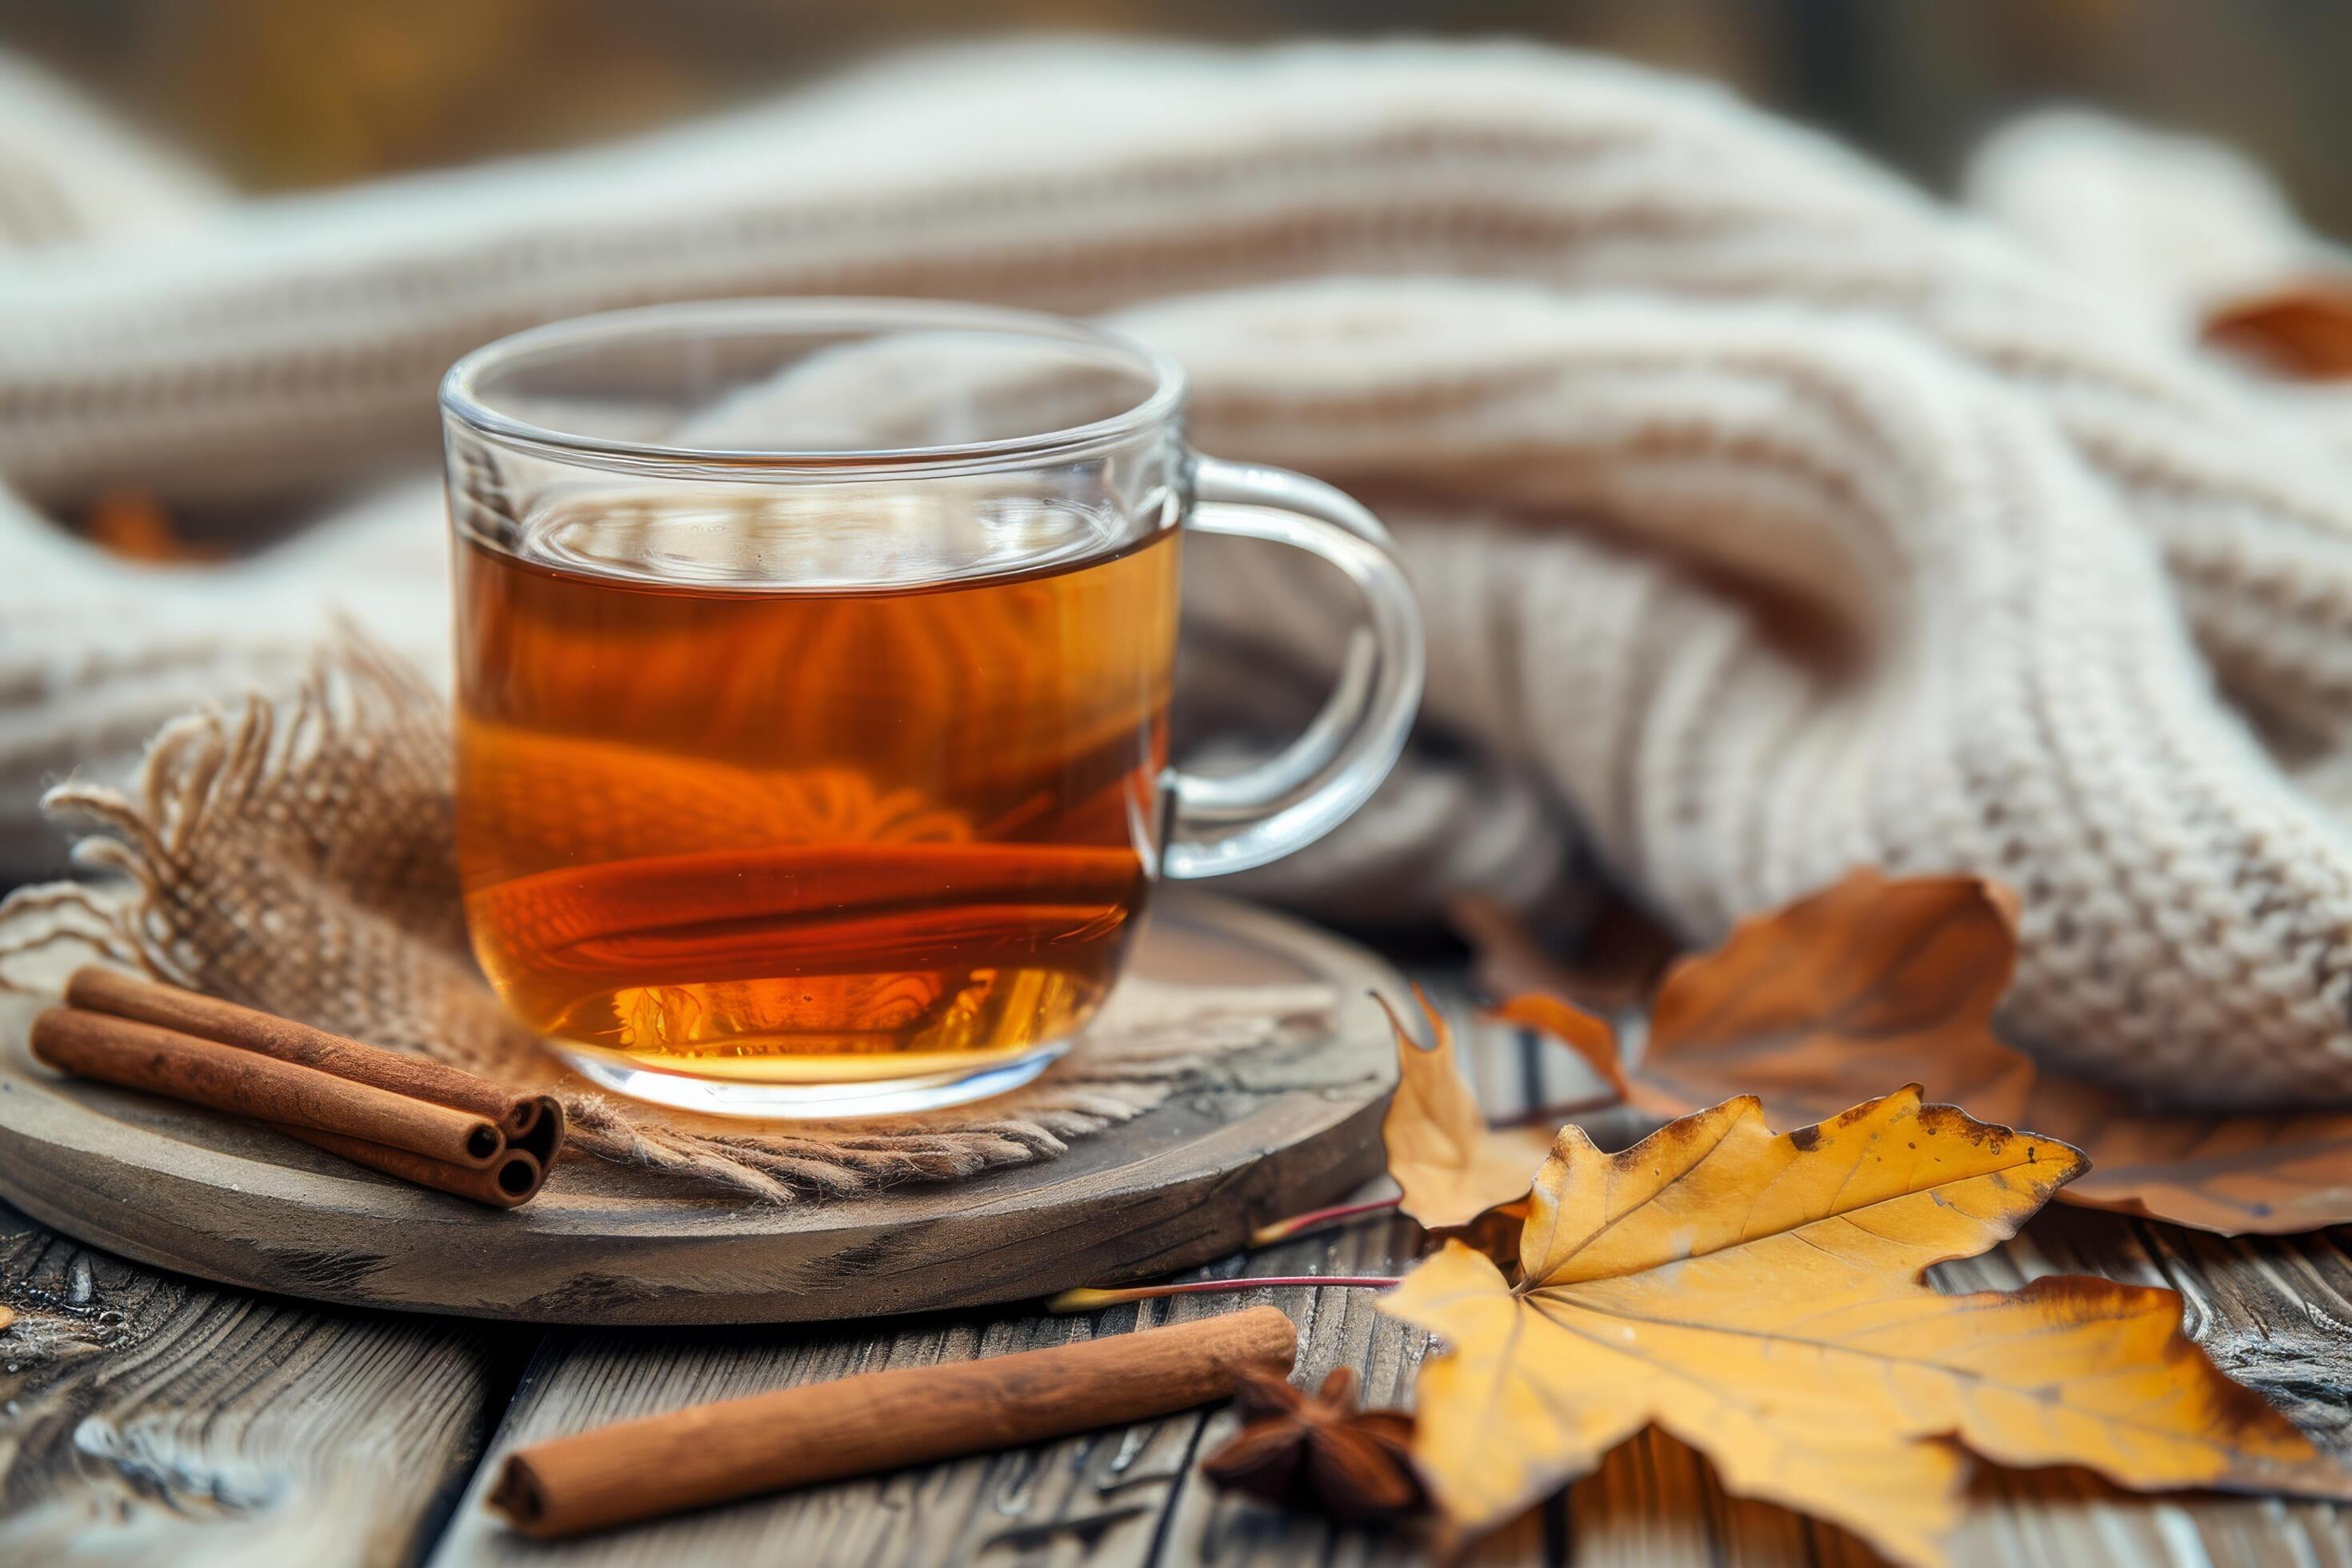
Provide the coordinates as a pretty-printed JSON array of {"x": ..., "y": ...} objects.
[{"x": 462, "y": 404}]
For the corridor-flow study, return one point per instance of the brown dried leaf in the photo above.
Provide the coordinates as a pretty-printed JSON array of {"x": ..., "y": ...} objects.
[
  {"x": 131, "y": 524},
  {"x": 1617, "y": 962},
  {"x": 1870, "y": 979},
  {"x": 2304, "y": 330},
  {"x": 1590, "y": 1038},
  {"x": 1878, "y": 981}
]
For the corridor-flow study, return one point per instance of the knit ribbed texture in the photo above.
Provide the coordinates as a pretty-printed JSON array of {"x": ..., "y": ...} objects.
[
  {"x": 2005, "y": 686},
  {"x": 1770, "y": 517}
]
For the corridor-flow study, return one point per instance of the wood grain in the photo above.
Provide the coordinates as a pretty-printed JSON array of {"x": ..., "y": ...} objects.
[
  {"x": 1114, "y": 1497},
  {"x": 2277, "y": 1312},
  {"x": 145, "y": 1419},
  {"x": 1267, "y": 1132}
]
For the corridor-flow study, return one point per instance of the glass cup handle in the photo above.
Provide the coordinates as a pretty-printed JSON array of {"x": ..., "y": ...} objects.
[{"x": 1235, "y": 821}]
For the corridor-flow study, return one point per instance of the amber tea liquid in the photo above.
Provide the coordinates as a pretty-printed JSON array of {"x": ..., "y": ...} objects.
[{"x": 796, "y": 792}]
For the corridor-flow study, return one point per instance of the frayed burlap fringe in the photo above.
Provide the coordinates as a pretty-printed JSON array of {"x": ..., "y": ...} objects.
[{"x": 299, "y": 857}]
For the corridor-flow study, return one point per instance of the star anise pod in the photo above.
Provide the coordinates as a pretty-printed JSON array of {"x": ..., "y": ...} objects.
[{"x": 1320, "y": 1450}]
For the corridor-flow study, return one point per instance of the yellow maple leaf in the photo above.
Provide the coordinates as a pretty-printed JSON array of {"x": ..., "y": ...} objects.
[
  {"x": 1759, "y": 1297},
  {"x": 1449, "y": 1166}
]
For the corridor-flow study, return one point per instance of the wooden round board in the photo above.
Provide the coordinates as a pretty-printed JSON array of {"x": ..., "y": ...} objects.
[{"x": 1264, "y": 1133}]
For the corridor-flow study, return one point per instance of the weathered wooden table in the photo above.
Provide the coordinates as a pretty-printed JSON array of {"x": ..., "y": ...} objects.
[{"x": 147, "y": 1418}]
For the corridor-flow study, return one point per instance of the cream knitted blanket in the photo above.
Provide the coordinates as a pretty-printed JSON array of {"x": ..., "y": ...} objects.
[{"x": 1768, "y": 518}]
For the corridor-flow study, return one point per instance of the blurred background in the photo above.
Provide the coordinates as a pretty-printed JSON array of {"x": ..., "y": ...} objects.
[
  {"x": 279, "y": 94},
  {"x": 191, "y": 401},
  {"x": 288, "y": 96}
]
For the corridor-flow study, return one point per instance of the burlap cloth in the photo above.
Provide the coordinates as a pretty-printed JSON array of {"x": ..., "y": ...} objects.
[{"x": 299, "y": 856}]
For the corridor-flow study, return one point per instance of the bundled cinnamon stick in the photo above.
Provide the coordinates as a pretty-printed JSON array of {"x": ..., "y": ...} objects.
[
  {"x": 879, "y": 1421},
  {"x": 513, "y": 1178},
  {"x": 531, "y": 1122},
  {"x": 419, "y": 1120}
]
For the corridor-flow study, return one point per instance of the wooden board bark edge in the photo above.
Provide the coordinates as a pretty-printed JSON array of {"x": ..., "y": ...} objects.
[{"x": 1278, "y": 1129}]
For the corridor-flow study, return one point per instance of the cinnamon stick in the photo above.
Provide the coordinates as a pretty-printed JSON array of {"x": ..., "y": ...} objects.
[
  {"x": 247, "y": 1083},
  {"x": 878, "y": 1421},
  {"x": 534, "y": 1123},
  {"x": 514, "y": 1178}
]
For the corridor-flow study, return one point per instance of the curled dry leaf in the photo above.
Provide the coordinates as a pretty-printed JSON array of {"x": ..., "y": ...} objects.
[
  {"x": 1879, "y": 981},
  {"x": 1759, "y": 1297},
  {"x": 1590, "y": 1038},
  {"x": 1450, "y": 1167},
  {"x": 1320, "y": 1450},
  {"x": 1618, "y": 958},
  {"x": 2304, "y": 330}
]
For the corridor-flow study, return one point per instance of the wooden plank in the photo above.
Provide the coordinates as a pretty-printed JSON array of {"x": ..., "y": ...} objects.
[
  {"x": 145, "y": 1418},
  {"x": 2275, "y": 1313},
  {"x": 1127, "y": 1497},
  {"x": 1337, "y": 1328},
  {"x": 1130, "y": 1495}
]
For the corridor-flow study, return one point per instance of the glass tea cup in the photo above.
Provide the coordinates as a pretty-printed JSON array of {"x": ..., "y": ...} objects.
[{"x": 813, "y": 660}]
